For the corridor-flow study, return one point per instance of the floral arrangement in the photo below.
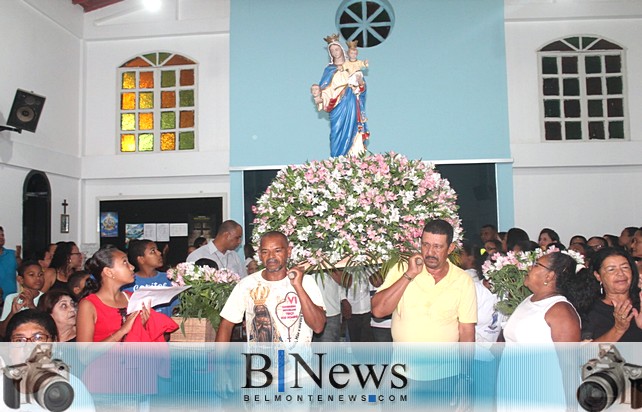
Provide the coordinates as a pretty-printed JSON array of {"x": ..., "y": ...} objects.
[
  {"x": 209, "y": 290},
  {"x": 355, "y": 210},
  {"x": 506, "y": 275}
]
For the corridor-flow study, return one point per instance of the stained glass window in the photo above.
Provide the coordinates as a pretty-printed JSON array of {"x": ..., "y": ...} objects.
[
  {"x": 168, "y": 141},
  {"x": 583, "y": 89},
  {"x": 145, "y": 121},
  {"x": 168, "y": 120},
  {"x": 187, "y": 119},
  {"x": 168, "y": 99},
  {"x": 158, "y": 102},
  {"x": 145, "y": 142},
  {"x": 128, "y": 101},
  {"x": 186, "y": 141},
  {"x": 127, "y": 143}
]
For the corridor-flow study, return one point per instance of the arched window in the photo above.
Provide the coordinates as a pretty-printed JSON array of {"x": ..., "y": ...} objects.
[
  {"x": 157, "y": 103},
  {"x": 36, "y": 214},
  {"x": 582, "y": 89}
]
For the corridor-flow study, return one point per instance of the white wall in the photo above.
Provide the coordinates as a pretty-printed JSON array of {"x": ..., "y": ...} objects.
[
  {"x": 101, "y": 152},
  {"x": 10, "y": 201},
  {"x": 194, "y": 28},
  {"x": 593, "y": 187},
  {"x": 42, "y": 55},
  {"x": 71, "y": 57}
]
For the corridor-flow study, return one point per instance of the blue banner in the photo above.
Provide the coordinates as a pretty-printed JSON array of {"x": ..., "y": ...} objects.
[{"x": 332, "y": 377}]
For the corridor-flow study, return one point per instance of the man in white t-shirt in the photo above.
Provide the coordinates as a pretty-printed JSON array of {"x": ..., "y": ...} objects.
[
  {"x": 355, "y": 308},
  {"x": 276, "y": 308},
  {"x": 331, "y": 286}
]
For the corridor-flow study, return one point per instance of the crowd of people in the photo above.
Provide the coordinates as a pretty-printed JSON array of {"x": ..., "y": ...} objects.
[
  {"x": 426, "y": 299},
  {"x": 600, "y": 302}
]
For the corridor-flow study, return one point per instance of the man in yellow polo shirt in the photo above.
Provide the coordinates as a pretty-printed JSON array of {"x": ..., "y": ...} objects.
[{"x": 432, "y": 300}]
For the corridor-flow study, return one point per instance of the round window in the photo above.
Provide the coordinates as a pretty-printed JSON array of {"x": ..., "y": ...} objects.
[{"x": 367, "y": 21}]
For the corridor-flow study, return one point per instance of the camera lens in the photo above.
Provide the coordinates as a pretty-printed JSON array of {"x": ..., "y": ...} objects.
[
  {"x": 53, "y": 392},
  {"x": 58, "y": 397},
  {"x": 597, "y": 392}
]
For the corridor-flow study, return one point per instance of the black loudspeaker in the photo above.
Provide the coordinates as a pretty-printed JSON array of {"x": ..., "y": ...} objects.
[{"x": 25, "y": 111}]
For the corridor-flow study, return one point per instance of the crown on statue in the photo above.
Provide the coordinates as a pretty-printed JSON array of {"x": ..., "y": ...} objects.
[
  {"x": 259, "y": 294},
  {"x": 333, "y": 38},
  {"x": 352, "y": 44}
]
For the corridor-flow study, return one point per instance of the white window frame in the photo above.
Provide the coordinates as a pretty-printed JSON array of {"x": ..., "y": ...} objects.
[{"x": 583, "y": 97}]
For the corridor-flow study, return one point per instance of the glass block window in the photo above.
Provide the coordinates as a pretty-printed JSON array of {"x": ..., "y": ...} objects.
[
  {"x": 367, "y": 21},
  {"x": 158, "y": 103},
  {"x": 582, "y": 90}
]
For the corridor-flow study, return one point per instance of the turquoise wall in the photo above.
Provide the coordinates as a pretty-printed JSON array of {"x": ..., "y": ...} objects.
[{"x": 436, "y": 86}]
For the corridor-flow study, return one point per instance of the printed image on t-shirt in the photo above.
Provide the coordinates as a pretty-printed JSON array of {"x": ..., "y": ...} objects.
[{"x": 275, "y": 315}]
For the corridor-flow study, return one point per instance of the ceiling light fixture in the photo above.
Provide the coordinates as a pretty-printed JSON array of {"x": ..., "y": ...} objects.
[{"x": 152, "y": 5}]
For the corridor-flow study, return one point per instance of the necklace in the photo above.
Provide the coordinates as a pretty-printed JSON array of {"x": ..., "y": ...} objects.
[
  {"x": 548, "y": 295},
  {"x": 220, "y": 257}
]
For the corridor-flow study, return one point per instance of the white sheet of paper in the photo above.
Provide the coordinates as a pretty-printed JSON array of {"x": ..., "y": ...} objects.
[
  {"x": 162, "y": 232},
  {"x": 149, "y": 231},
  {"x": 153, "y": 296},
  {"x": 178, "y": 229}
]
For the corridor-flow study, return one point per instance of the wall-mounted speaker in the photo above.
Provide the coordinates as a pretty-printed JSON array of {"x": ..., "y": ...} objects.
[{"x": 26, "y": 110}]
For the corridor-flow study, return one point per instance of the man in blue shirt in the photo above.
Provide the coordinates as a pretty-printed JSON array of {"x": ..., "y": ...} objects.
[{"x": 8, "y": 267}]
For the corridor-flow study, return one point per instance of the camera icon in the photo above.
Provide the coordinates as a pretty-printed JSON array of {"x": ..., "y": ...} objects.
[
  {"x": 40, "y": 379},
  {"x": 608, "y": 379}
]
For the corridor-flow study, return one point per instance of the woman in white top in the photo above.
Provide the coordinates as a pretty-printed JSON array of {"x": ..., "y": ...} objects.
[
  {"x": 530, "y": 376},
  {"x": 546, "y": 315}
]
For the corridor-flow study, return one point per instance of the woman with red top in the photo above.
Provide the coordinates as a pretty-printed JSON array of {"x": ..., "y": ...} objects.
[{"x": 102, "y": 315}]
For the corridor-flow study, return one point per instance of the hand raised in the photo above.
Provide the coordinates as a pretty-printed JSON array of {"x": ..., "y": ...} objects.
[
  {"x": 415, "y": 265},
  {"x": 295, "y": 275},
  {"x": 129, "y": 322},
  {"x": 623, "y": 313},
  {"x": 144, "y": 314}
]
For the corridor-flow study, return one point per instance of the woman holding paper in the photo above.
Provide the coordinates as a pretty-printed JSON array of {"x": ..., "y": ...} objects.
[{"x": 102, "y": 315}]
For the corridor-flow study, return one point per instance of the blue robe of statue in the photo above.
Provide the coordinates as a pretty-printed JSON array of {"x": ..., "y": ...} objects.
[{"x": 347, "y": 112}]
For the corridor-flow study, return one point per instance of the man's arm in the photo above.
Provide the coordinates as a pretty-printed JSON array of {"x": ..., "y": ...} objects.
[
  {"x": 337, "y": 276},
  {"x": 385, "y": 301},
  {"x": 224, "y": 332},
  {"x": 466, "y": 332},
  {"x": 313, "y": 315}
]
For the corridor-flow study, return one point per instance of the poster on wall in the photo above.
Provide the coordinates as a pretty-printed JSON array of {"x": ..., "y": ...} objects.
[
  {"x": 162, "y": 232},
  {"x": 134, "y": 231},
  {"x": 109, "y": 224},
  {"x": 178, "y": 229},
  {"x": 149, "y": 231}
]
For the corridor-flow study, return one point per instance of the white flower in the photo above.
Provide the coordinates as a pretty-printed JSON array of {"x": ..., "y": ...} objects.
[
  {"x": 321, "y": 208},
  {"x": 338, "y": 201},
  {"x": 393, "y": 216},
  {"x": 304, "y": 233}
]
